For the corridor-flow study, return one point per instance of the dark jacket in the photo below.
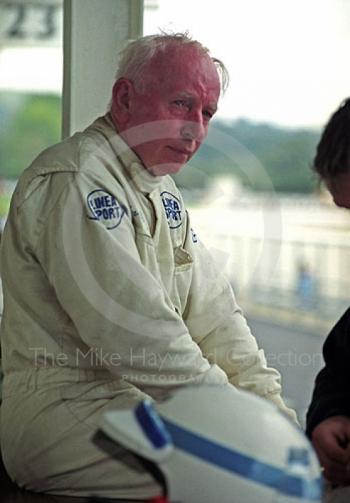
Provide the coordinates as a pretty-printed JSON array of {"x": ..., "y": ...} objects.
[{"x": 331, "y": 396}]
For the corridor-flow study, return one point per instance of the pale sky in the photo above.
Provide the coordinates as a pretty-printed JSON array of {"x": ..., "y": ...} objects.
[
  {"x": 289, "y": 60},
  {"x": 31, "y": 69}
]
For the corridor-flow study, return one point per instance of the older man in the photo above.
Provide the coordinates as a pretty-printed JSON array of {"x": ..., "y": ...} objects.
[
  {"x": 109, "y": 295},
  {"x": 328, "y": 418}
]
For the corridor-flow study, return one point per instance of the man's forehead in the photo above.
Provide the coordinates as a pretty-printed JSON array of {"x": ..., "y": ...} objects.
[{"x": 184, "y": 62}]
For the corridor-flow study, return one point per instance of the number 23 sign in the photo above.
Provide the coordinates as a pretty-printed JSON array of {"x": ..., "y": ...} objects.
[{"x": 31, "y": 23}]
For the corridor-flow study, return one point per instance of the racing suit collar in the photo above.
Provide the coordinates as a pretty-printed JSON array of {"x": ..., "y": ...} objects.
[{"x": 144, "y": 181}]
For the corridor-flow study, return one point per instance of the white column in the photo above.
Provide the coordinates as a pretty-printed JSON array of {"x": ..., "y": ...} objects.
[{"x": 94, "y": 32}]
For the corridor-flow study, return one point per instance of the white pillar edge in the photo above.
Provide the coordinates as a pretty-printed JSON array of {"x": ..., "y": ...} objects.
[{"x": 93, "y": 33}]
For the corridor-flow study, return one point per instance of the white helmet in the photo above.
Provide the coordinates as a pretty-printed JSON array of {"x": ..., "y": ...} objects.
[{"x": 215, "y": 443}]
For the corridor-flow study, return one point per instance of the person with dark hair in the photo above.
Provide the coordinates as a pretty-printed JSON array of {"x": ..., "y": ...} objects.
[
  {"x": 332, "y": 160},
  {"x": 328, "y": 416}
]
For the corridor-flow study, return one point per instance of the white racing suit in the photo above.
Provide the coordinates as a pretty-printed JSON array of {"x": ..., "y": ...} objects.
[{"x": 110, "y": 297}]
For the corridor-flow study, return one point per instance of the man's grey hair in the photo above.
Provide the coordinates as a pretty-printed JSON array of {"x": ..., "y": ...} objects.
[{"x": 137, "y": 55}]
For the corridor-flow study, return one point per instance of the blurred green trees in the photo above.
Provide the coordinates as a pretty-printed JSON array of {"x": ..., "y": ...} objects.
[
  {"x": 28, "y": 124},
  {"x": 262, "y": 156}
]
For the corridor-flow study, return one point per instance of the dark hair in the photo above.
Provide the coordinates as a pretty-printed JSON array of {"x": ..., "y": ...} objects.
[{"x": 333, "y": 151}]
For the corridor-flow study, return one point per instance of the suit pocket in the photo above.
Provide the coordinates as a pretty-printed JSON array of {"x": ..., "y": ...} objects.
[{"x": 183, "y": 277}]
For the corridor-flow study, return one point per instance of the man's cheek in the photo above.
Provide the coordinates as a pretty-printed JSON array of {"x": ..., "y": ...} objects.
[{"x": 174, "y": 128}]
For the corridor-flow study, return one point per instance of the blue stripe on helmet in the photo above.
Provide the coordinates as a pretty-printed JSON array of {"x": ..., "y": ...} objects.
[{"x": 243, "y": 465}]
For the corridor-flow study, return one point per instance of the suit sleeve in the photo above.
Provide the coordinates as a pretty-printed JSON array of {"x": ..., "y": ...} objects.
[
  {"x": 331, "y": 395},
  {"x": 216, "y": 323}
]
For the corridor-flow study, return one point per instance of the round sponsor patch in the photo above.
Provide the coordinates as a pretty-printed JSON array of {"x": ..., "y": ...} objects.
[
  {"x": 173, "y": 210},
  {"x": 105, "y": 208}
]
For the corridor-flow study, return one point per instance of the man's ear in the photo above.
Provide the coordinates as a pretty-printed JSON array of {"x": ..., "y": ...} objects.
[{"x": 122, "y": 94}]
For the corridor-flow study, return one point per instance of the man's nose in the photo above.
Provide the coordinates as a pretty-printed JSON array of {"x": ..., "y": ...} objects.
[{"x": 194, "y": 129}]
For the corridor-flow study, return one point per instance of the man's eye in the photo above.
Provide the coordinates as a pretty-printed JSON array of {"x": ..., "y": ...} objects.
[
  {"x": 181, "y": 103},
  {"x": 207, "y": 114}
]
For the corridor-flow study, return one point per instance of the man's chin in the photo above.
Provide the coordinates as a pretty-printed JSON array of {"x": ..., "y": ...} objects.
[{"x": 170, "y": 168}]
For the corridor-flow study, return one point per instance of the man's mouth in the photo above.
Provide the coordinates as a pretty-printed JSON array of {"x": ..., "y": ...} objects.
[{"x": 181, "y": 151}]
